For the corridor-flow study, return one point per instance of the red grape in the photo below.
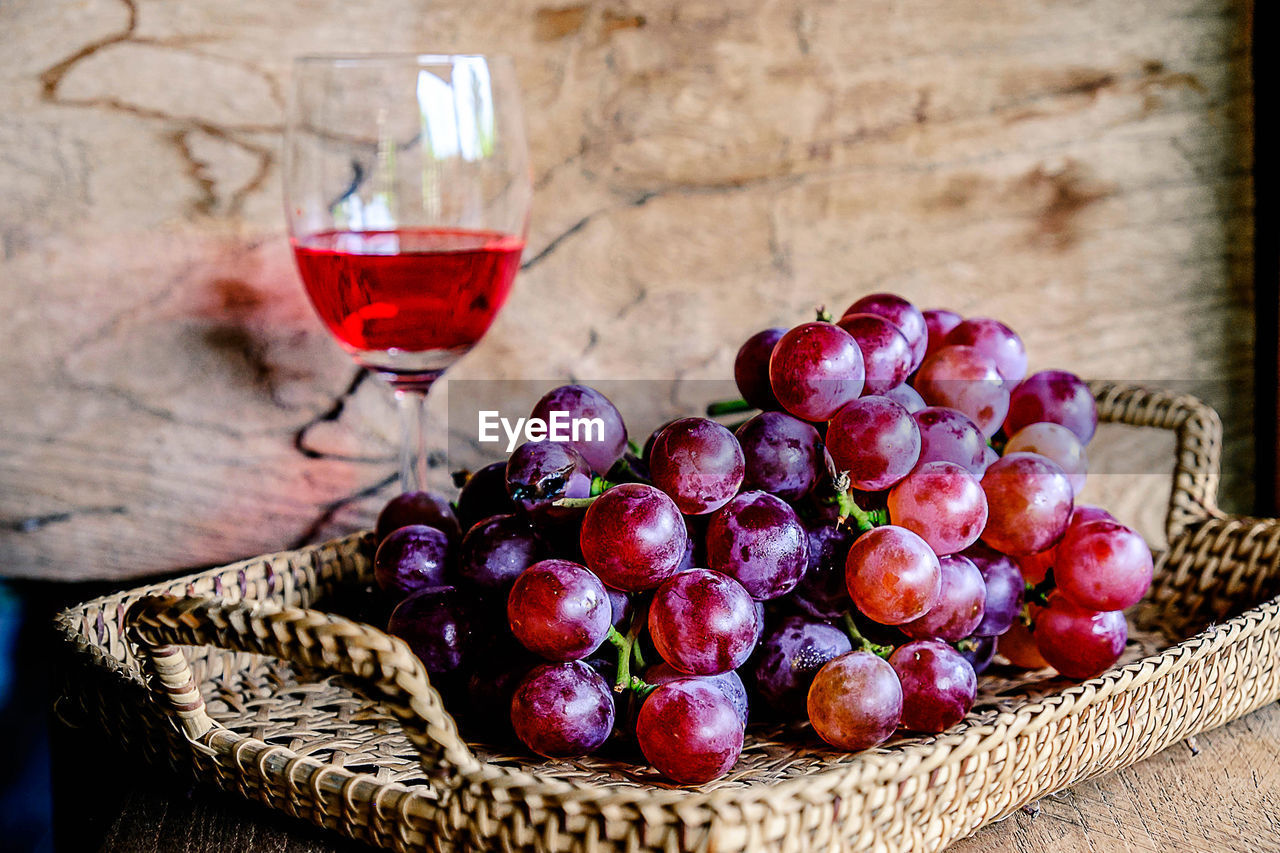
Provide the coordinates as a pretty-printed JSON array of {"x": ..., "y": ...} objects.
[
  {"x": 1057, "y": 397},
  {"x": 689, "y": 731},
  {"x": 418, "y": 508},
  {"x": 938, "y": 685},
  {"x": 559, "y": 610},
  {"x": 698, "y": 463},
  {"x": 411, "y": 558},
  {"x": 600, "y": 448},
  {"x": 1019, "y": 647},
  {"x": 1028, "y": 504},
  {"x": 1078, "y": 642},
  {"x": 962, "y": 378},
  {"x": 495, "y": 551},
  {"x": 816, "y": 368},
  {"x": 948, "y": 435},
  {"x": 893, "y": 575},
  {"x": 902, "y": 314},
  {"x": 996, "y": 341},
  {"x": 960, "y": 606},
  {"x": 563, "y": 710},
  {"x": 757, "y": 540},
  {"x": 1005, "y": 589},
  {"x": 875, "y": 440},
  {"x": 939, "y": 322},
  {"x": 1035, "y": 566},
  {"x": 943, "y": 503},
  {"x": 1102, "y": 565},
  {"x": 886, "y": 352},
  {"x": 703, "y": 622},
  {"x": 541, "y": 472},
  {"x": 729, "y": 683},
  {"x": 783, "y": 455},
  {"x": 855, "y": 701},
  {"x": 751, "y": 369},
  {"x": 979, "y": 652},
  {"x": 1056, "y": 442},
  {"x": 906, "y": 397},
  {"x": 633, "y": 537}
]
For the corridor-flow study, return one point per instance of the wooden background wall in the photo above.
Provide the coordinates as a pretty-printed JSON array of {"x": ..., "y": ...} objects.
[{"x": 704, "y": 169}]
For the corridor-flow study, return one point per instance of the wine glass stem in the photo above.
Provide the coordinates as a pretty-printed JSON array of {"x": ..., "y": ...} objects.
[{"x": 412, "y": 403}]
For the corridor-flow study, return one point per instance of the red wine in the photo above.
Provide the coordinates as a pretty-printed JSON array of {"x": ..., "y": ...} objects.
[{"x": 410, "y": 290}]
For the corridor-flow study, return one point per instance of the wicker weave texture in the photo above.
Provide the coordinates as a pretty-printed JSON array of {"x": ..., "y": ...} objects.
[{"x": 349, "y": 734}]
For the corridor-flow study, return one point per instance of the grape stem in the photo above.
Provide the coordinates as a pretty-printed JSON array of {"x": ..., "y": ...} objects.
[
  {"x": 635, "y": 449},
  {"x": 599, "y": 485},
  {"x": 824, "y": 316},
  {"x": 628, "y": 647},
  {"x": 1039, "y": 593},
  {"x": 861, "y": 643},
  {"x": 727, "y": 407},
  {"x": 575, "y": 503}
]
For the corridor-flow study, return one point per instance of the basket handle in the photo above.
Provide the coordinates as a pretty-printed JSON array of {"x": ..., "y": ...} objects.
[
  {"x": 158, "y": 624},
  {"x": 1194, "y": 497}
]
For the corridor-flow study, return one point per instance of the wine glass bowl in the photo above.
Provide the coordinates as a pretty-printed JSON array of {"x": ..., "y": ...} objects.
[{"x": 407, "y": 192}]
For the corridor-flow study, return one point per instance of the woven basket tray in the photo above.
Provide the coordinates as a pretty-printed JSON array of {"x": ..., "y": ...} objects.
[{"x": 334, "y": 721}]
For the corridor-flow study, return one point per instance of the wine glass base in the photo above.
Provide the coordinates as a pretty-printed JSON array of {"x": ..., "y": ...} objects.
[{"x": 405, "y": 370}]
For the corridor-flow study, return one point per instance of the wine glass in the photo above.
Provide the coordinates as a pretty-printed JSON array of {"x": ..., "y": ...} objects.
[{"x": 407, "y": 192}]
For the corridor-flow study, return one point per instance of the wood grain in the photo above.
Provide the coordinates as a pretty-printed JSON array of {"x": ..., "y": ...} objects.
[{"x": 703, "y": 169}]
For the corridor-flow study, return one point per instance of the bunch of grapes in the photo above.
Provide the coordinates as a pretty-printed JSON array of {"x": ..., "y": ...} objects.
[{"x": 900, "y": 510}]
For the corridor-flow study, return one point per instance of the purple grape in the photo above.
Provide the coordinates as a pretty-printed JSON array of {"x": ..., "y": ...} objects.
[
  {"x": 938, "y": 685},
  {"x": 962, "y": 378},
  {"x": 757, "y": 540},
  {"x": 495, "y": 551},
  {"x": 751, "y": 369},
  {"x": 728, "y": 683},
  {"x": 790, "y": 656},
  {"x": 438, "y": 625},
  {"x": 1053, "y": 396},
  {"x": 562, "y": 710},
  {"x": 489, "y": 691},
  {"x": 559, "y": 610},
  {"x": 940, "y": 322},
  {"x": 906, "y": 397},
  {"x": 619, "y": 608},
  {"x": 979, "y": 652},
  {"x": 948, "y": 435},
  {"x": 484, "y": 495},
  {"x": 887, "y": 357},
  {"x": 902, "y": 314},
  {"x": 816, "y": 368},
  {"x": 822, "y": 591},
  {"x": 855, "y": 701},
  {"x": 698, "y": 463},
  {"x": 600, "y": 448},
  {"x": 411, "y": 558},
  {"x": 875, "y": 440},
  {"x": 1005, "y": 589},
  {"x": 633, "y": 537},
  {"x": 541, "y": 472},
  {"x": 960, "y": 604},
  {"x": 703, "y": 622},
  {"x": 418, "y": 508},
  {"x": 996, "y": 341},
  {"x": 783, "y": 455},
  {"x": 689, "y": 731},
  {"x": 1078, "y": 642}
]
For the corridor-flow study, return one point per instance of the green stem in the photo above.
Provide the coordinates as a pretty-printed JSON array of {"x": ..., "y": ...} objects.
[
  {"x": 728, "y": 407},
  {"x": 637, "y": 656},
  {"x": 628, "y": 648},
  {"x": 861, "y": 643},
  {"x": 636, "y": 450},
  {"x": 850, "y": 509},
  {"x": 623, "y": 645},
  {"x": 599, "y": 485},
  {"x": 575, "y": 502},
  {"x": 824, "y": 316},
  {"x": 1039, "y": 593}
]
